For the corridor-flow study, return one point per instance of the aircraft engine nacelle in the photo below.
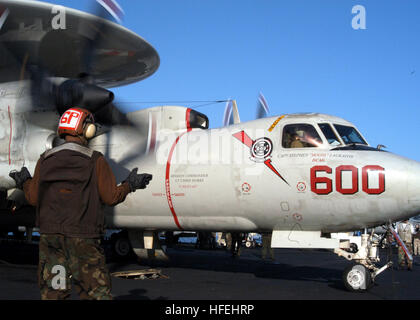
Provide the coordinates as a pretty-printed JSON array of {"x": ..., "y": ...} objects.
[
  {"x": 172, "y": 118},
  {"x": 63, "y": 92}
]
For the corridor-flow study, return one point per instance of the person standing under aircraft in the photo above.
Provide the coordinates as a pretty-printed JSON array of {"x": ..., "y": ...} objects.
[
  {"x": 416, "y": 241},
  {"x": 405, "y": 231},
  {"x": 228, "y": 240},
  {"x": 237, "y": 238},
  {"x": 71, "y": 184},
  {"x": 266, "y": 246}
]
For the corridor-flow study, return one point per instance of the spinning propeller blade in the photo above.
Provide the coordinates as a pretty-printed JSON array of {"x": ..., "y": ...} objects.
[
  {"x": 51, "y": 86},
  {"x": 262, "y": 107}
]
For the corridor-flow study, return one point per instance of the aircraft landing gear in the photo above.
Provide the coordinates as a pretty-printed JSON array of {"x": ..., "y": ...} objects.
[
  {"x": 360, "y": 276},
  {"x": 146, "y": 246},
  {"x": 121, "y": 245},
  {"x": 363, "y": 251},
  {"x": 357, "y": 278}
]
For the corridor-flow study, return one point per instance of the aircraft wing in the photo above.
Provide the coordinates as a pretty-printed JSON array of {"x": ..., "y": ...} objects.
[{"x": 29, "y": 36}]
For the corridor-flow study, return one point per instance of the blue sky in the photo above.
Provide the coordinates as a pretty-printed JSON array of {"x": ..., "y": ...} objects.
[{"x": 304, "y": 56}]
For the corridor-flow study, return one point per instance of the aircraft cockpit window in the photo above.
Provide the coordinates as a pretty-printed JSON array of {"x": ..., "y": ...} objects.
[
  {"x": 329, "y": 134},
  {"x": 300, "y": 135},
  {"x": 198, "y": 120},
  {"x": 349, "y": 134}
]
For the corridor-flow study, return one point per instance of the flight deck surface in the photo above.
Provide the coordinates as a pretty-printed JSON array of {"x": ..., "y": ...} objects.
[{"x": 194, "y": 274}]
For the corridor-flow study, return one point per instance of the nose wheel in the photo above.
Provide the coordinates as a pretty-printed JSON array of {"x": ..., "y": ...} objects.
[
  {"x": 357, "y": 278},
  {"x": 360, "y": 276}
]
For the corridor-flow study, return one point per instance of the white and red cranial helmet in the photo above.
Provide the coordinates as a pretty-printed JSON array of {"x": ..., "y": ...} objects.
[{"x": 77, "y": 122}]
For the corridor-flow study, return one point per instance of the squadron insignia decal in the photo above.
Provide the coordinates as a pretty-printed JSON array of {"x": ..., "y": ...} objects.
[{"x": 260, "y": 150}]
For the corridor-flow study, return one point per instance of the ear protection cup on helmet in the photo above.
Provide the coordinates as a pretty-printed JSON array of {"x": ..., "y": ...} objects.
[{"x": 89, "y": 131}]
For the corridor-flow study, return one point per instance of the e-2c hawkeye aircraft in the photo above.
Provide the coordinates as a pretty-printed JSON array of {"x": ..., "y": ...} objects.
[{"x": 307, "y": 178}]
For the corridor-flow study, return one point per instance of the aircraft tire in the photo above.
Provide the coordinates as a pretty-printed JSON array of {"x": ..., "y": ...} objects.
[
  {"x": 121, "y": 245},
  {"x": 357, "y": 278}
]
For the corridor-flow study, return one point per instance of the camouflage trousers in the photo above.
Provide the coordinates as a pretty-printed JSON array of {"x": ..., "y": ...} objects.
[
  {"x": 402, "y": 258},
  {"x": 64, "y": 261}
]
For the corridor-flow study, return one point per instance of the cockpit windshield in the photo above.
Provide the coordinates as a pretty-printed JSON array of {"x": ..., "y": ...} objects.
[
  {"x": 349, "y": 134},
  {"x": 329, "y": 134},
  {"x": 300, "y": 135}
]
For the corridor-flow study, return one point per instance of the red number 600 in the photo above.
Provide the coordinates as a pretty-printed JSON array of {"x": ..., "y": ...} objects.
[{"x": 315, "y": 180}]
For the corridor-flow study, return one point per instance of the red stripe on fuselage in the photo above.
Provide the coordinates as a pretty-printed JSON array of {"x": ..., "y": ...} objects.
[
  {"x": 167, "y": 183},
  {"x": 168, "y": 169}
]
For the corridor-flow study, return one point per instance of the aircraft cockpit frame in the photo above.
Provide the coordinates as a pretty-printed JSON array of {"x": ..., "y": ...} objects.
[{"x": 318, "y": 131}]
